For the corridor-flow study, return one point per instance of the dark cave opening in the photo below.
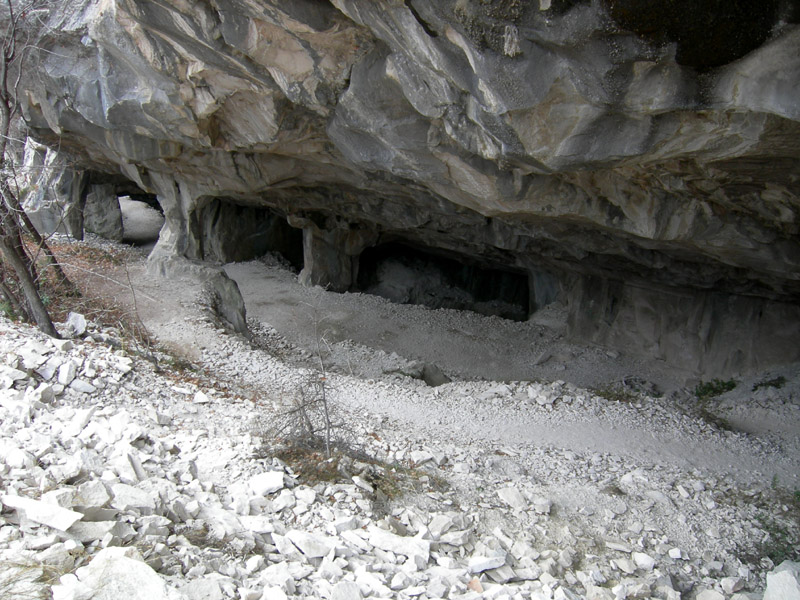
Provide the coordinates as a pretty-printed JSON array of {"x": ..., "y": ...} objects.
[
  {"x": 440, "y": 279},
  {"x": 232, "y": 232}
]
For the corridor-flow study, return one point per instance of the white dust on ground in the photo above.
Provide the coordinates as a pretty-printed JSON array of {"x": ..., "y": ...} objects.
[
  {"x": 369, "y": 343},
  {"x": 749, "y": 435}
]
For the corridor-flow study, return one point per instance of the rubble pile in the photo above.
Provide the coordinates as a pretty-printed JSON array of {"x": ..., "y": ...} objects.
[{"x": 117, "y": 480}]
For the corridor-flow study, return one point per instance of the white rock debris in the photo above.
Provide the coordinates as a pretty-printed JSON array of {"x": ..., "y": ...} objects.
[{"x": 118, "y": 504}]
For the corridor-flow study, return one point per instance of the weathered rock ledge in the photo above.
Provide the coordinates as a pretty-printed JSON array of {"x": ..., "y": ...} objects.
[{"x": 631, "y": 163}]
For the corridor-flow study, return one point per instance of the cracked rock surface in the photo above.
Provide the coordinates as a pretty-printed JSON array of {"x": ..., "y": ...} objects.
[{"x": 638, "y": 163}]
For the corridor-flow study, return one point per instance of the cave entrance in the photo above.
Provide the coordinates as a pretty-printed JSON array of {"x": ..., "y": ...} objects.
[
  {"x": 231, "y": 232},
  {"x": 436, "y": 278},
  {"x": 142, "y": 220}
]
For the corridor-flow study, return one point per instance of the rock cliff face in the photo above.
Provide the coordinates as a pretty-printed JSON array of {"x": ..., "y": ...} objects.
[{"x": 636, "y": 162}]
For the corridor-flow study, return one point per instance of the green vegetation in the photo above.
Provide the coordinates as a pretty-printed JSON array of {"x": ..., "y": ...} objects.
[
  {"x": 615, "y": 394},
  {"x": 782, "y": 541},
  {"x": 713, "y": 388},
  {"x": 775, "y": 382}
]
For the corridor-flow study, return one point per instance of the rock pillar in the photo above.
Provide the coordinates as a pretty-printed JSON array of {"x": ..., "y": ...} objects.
[
  {"x": 331, "y": 250},
  {"x": 101, "y": 212}
]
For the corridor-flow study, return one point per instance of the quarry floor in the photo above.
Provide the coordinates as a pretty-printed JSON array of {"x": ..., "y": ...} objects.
[
  {"x": 373, "y": 343},
  {"x": 616, "y": 443}
]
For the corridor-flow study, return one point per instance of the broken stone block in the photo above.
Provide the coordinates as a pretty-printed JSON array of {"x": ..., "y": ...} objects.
[
  {"x": 115, "y": 573},
  {"x": 43, "y": 393},
  {"x": 284, "y": 500},
  {"x": 420, "y": 457},
  {"x": 62, "y": 345},
  {"x": 400, "y": 581},
  {"x": 407, "y": 546},
  {"x": 87, "y": 532},
  {"x": 67, "y": 372},
  {"x": 502, "y": 574},
  {"x": 311, "y": 545},
  {"x": 64, "y": 497},
  {"x": 440, "y": 524},
  {"x": 542, "y": 505},
  {"x": 75, "y": 324},
  {"x": 345, "y": 524},
  {"x": 267, "y": 483},
  {"x": 731, "y": 585},
  {"x": 14, "y": 457},
  {"x": 83, "y": 386},
  {"x": 710, "y": 595},
  {"x": 126, "y": 498},
  {"x": 456, "y": 538},
  {"x": 643, "y": 561},
  {"x": 783, "y": 582},
  {"x": 92, "y": 494},
  {"x": 513, "y": 497},
  {"x": 41, "y": 512},
  {"x": 479, "y": 563},
  {"x": 346, "y": 590}
]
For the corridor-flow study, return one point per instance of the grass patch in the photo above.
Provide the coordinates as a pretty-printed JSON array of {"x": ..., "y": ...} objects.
[
  {"x": 27, "y": 580},
  {"x": 713, "y": 388},
  {"x": 616, "y": 394},
  {"x": 777, "y": 516},
  {"x": 776, "y": 382},
  {"x": 388, "y": 481},
  {"x": 781, "y": 542}
]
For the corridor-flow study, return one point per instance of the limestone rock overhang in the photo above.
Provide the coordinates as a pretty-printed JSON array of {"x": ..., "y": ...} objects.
[{"x": 648, "y": 165}]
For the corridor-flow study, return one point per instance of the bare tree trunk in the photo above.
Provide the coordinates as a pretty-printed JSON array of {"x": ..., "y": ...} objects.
[
  {"x": 9, "y": 296},
  {"x": 15, "y": 207},
  {"x": 38, "y": 310},
  {"x": 13, "y": 220}
]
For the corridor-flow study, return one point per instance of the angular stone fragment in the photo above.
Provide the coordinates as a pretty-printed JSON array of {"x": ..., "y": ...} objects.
[
  {"x": 86, "y": 532},
  {"x": 126, "y": 497},
  {"x": 113, "y": 574},
  {"x": 62, "y": 345},
  {"x": 267, "y": 483},
  {"x": 514, "y": 498},
  {"x": 67, "y": 372},
  {"x": 783, "y": 582},
  {"x": 205, "y": 588},
  {"x": 456, "y": 538},
  {"x": 440, "y": 524},
  {"x": 542, "y": 505},
  {"x": 42, "y": 393},
  {"x": 479, "y": 564},
  {"x": 407, "y": 546},
  {"x": 257, "y": 523},
  {"x": 710, "y": 595},
  {"x": 41, "y": 512},
  {"x": 76, "y": 324},
  {"x": 346, "y": 590},
  {"x": 643, "y": 561},
  {"x": 619, "y": 547},
  {"x": 501, "y": 574},
  {"x": 63, "y": 497},
  {"x": 364, "y": 485},
  {"x": 731, "y": 585},
  {"x": 92, "y": 494},
  {"x": 311, "y": 545},
  {"x": 284, "y": 500},
  {"x": 345, "y": 524},
  {"x": 400, "y": 581},
  {"x": 83, "y": 386}
]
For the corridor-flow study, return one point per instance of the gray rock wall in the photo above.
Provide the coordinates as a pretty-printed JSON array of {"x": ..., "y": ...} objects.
[{"x": 588, "y": 140}]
